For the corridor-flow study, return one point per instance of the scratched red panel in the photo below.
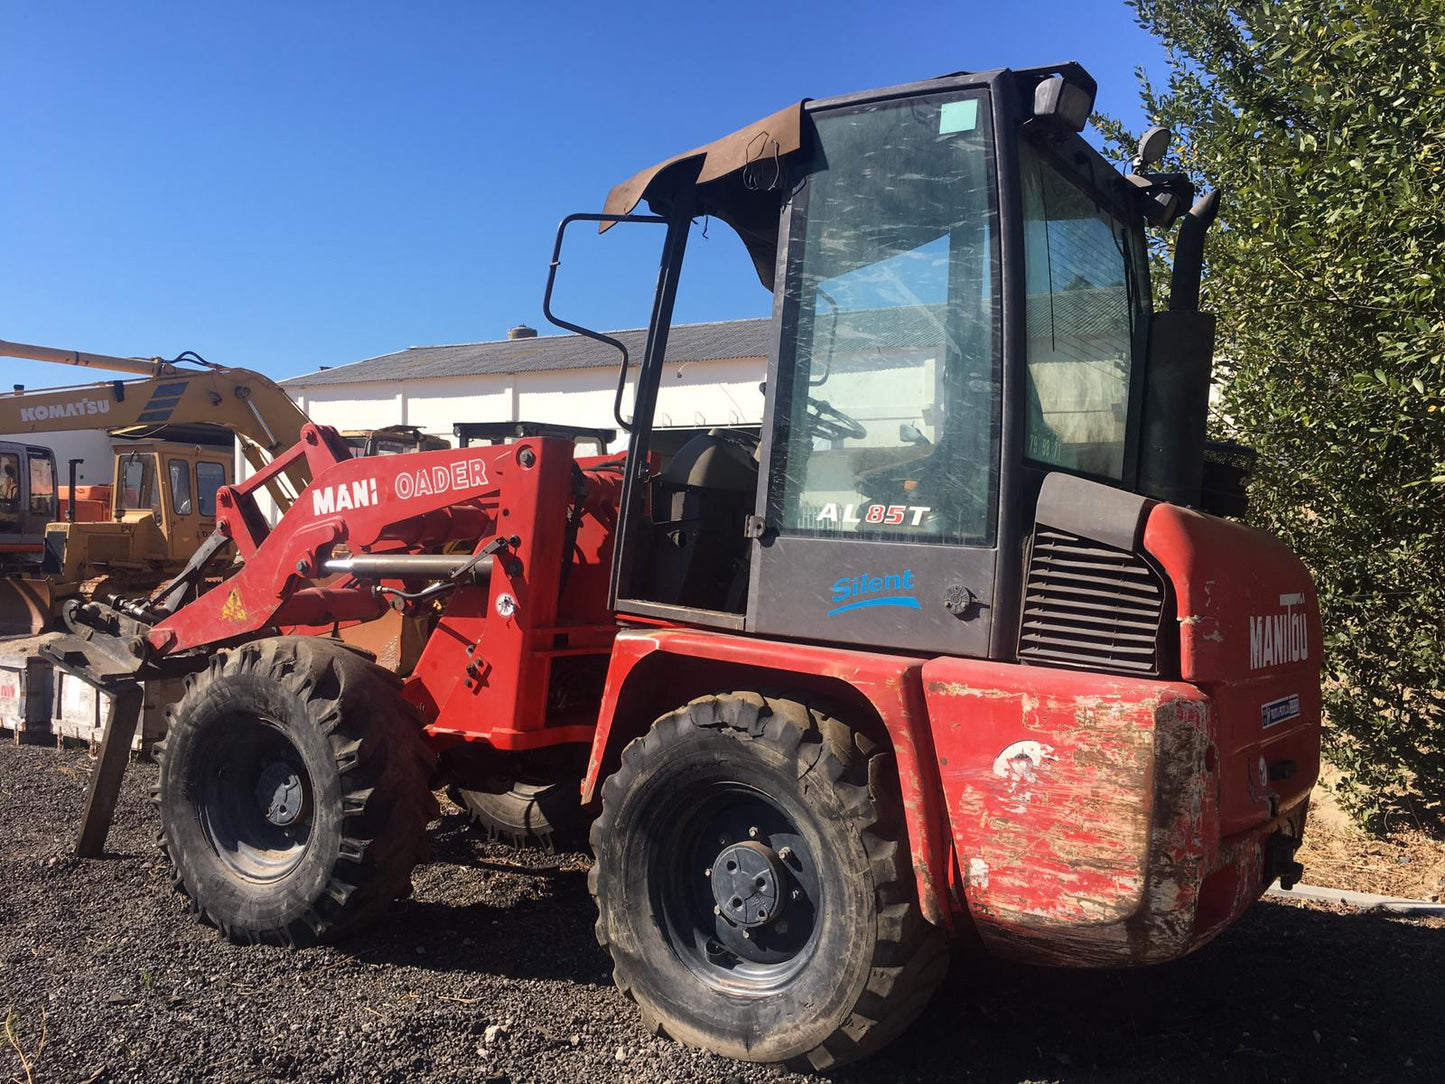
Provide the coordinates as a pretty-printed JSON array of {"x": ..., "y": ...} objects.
[
  {"x": 1250, "y": 636},
  {"x": 1078, "y": 806},
  {"x": 1246, "y": 604}
]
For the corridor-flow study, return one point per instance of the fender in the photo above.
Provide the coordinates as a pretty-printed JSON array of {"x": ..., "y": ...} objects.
[{"x": 891, "y": 684}]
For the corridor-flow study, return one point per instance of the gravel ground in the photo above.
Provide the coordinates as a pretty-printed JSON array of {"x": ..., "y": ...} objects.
[{"x": 490, "y": 973}]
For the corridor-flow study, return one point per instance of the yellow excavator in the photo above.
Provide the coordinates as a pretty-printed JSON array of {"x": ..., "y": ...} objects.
[{"x": 163, "y": 497}]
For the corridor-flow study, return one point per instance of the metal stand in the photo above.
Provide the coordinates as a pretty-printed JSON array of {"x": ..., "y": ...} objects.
[{"x": 109, "y": 770}]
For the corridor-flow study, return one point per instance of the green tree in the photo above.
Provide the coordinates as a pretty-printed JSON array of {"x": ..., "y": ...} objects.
[{"x": 1322, "y": 122}]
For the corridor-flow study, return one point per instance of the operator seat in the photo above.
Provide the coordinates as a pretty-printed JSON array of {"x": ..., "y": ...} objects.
[{"x": 701, "y": 500}]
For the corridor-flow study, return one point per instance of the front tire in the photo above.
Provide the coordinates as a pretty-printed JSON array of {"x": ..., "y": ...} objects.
[
  {"x": 293, "y": 791},
  {"x": 753, "y": 893}
]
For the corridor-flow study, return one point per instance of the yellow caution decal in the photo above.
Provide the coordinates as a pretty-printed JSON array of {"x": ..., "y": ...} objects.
[{"x": 233, "y": 610}]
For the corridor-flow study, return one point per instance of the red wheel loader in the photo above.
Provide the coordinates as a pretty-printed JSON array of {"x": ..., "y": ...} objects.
[{"x": 955, "y": 652}]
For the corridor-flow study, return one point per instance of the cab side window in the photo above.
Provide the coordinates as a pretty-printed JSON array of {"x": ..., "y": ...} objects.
[
  {"x": 138, "y": 489},
  {"x": 180, "y": 475},
  {"x": 209, "y": 478},
  {"x": 1082, "y": 301},
  {"x": 9, "y": 492},
  {"x": 42, "y": 485}
]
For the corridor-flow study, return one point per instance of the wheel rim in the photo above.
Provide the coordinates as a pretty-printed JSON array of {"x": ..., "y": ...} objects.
[
  {"x": 738, "y": 889},
  {"x": 254, "y": 798}
]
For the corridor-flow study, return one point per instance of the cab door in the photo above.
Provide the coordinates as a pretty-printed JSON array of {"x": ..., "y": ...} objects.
[
  {"x": 191, "y": 515},
  {"x": 19, "y": 535},
  {"x": 878, "y": 510}
]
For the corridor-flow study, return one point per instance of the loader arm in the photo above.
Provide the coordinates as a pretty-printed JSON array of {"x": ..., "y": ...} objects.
[{"x": 380, "y": 504}]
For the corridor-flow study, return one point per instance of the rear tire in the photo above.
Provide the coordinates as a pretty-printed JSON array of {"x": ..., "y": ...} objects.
[
  {"x": 529, "y": 799},
  {"x": 293, "y": 791},
  {"x": 753, "y": 893}
]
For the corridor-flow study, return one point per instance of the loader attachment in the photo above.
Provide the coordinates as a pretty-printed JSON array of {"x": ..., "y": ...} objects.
[
  {"x": 25, "y": 605},
  {"x": 102, "y": 661}
]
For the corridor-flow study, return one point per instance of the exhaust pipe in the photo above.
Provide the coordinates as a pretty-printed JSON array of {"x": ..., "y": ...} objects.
[
  {"x": 1189, "y": 254},
  {"x": 1177, "y": 373},
  {"x": 74, "y": 478}
]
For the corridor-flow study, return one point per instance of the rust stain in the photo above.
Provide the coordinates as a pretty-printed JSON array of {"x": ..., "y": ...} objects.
[{"x": 953, "y": 688}]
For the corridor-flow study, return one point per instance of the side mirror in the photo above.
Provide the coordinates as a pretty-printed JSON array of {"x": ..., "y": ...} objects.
[
  {"x": 911, "y": 434},
  {"x": 1161, "y": 204}
]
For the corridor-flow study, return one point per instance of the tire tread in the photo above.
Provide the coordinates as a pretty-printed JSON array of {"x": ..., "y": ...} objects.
[
  {"x": 375, "y": 740},
  {"x": 910, "y": 956}
]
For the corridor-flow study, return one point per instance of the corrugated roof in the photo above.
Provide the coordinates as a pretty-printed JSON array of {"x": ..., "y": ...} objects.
[
  {"x": 686, "y": 342},
  {"x": 1083, "y": 312}
]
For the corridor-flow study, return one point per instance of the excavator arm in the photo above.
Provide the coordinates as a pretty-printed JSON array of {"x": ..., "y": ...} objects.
[
  {"x": 250, "y": 405},
  {"x": 253, "y": 407}
]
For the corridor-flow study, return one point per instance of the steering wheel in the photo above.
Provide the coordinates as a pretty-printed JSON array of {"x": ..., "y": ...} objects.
[{"x": 827, "y": 421}]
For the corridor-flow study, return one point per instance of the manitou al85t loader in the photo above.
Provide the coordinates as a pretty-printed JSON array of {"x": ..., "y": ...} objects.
[{"x": 951, "y": 653}]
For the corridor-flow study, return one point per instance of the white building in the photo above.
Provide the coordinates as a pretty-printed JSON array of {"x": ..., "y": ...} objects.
[{"x": 712, "y": 377}]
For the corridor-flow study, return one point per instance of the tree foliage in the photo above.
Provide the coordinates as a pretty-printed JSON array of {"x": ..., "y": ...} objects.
[{"x": 1323, "y": 123}]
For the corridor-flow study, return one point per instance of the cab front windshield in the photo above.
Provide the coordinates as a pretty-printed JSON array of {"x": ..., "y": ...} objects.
[{"x": 890, "y": 372}]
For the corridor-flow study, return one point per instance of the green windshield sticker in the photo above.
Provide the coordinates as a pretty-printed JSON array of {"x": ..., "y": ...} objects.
[{"x": 958, "y": 116}]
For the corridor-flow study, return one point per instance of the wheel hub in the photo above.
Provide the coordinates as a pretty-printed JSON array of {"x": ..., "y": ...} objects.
[
  {"x": 280, "y": 794},
  {"x": 749, "y": 884}
]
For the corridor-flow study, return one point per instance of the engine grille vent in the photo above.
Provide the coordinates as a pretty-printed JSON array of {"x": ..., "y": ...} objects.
[{"x": 1090, "y": 605}]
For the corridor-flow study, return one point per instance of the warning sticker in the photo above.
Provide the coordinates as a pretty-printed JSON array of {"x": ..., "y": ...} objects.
[{"x": 234, "y": 609}]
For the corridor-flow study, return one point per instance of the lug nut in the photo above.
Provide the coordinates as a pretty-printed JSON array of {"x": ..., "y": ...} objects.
[
  {"x": 753, "y": 832},
  {"x": 785, "y": 853},
  {"x": 746, "y": 935},
  {"x": 717, "y": 910},
  {"x": 707, "y": 872},
  {"x": 722, "y": 841},
  {"x": 795, "y": 894}
]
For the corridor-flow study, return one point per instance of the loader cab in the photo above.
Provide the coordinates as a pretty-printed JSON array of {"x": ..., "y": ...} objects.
[
  {"x": 27, "y": 501},
  {"x": 166, "y": 493},
  {"x": 961, "y": 306},
  {"x": 392, "y": 440}
]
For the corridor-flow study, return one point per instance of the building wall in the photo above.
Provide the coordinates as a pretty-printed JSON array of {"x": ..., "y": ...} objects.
[
  {"x": 91, "y": 445},
  {"x": 692, "y": 394}
]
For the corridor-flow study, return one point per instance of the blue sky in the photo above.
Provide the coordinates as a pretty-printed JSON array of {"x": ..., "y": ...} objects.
[{"x": 286, "y": 185}]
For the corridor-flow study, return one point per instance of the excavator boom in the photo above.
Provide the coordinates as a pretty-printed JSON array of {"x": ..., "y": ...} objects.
[{"x": 138, "y": 366}]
